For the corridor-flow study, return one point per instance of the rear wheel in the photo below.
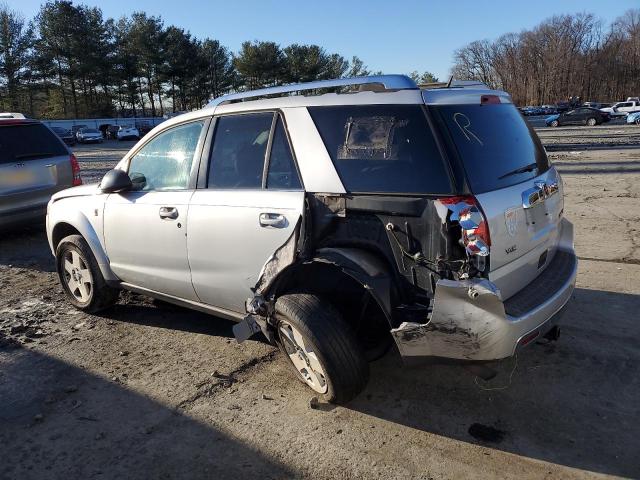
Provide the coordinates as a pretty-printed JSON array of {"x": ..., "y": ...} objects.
[
  {"x": 592, "y": 122},
  {"x": 321, "y": 347},
  {"x": 80, "y": 276}
]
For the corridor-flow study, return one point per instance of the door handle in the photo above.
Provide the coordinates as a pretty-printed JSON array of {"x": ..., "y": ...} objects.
[
  {"x": 168, "y": 213},
  {"x": 273, "y": 220}
]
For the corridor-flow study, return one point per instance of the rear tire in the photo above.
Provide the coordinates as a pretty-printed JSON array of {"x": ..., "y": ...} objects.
[
  {"x": 80, "y": 276},
  {"x": 321, "y": 347},
  {"x": 592, "y": 122}
]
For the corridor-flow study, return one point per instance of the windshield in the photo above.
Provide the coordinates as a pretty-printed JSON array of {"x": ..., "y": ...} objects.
[
  {"x": 496, "y": 145},
  {"x": 90, "y": 130},
  {"x": 382, "y": 148}
]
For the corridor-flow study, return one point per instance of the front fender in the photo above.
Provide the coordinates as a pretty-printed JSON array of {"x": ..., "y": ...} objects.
[{"x": 87, "y": 220}]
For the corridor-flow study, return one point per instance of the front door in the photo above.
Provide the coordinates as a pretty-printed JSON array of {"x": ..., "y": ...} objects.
[
  {"x": 145, "y": 229},
  {"x": 242, "y": 216}
]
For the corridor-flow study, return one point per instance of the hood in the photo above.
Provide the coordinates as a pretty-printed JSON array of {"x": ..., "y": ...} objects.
[
  {"x": 551, "y": 118},
  {"x": 79, "y": 191}
]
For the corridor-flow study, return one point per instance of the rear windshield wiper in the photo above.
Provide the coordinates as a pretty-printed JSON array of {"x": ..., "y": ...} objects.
[
  {"x": 527, "y": 168},
  {"x": 35, "y": 155}
]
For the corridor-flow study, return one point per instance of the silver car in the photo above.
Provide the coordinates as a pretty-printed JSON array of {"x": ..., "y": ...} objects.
[
  {"x": 34, "y": 164},
  {"x": 337, "y": 225}
]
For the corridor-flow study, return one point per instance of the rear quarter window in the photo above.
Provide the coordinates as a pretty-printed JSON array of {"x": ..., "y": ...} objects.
[
  {"x": 31, "y": 141},
  {"x": 382, "y": 148}
]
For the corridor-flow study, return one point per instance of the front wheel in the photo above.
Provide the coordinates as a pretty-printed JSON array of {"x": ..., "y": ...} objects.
[
  {"x": 321, "y": 347},
  {"x": 554, "y": 123},
  {"x": 81, "y": 277},
  {"x": 638, "y": 121},
  {"x": 592, "y": 122}
]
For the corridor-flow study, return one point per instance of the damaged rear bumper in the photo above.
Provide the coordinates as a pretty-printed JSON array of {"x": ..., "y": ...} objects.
[{"x": 470, "y": 321}]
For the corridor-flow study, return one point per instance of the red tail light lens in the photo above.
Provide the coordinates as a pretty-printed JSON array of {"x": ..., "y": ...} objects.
[
  {"x": 475, "y": 230},
  {"x": 75, "y": 170}
]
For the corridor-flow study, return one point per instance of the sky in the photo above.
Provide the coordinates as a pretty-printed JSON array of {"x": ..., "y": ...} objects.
[{"x": 393, "y": 36}]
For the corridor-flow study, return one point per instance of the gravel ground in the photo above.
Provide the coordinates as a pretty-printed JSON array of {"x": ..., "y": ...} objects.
[{"x": 148, "y": 390}]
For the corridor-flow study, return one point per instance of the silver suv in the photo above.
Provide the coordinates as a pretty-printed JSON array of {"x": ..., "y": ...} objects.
[
  {"x": 336, "y": 224},
  {"x": 34, "y": 164}
]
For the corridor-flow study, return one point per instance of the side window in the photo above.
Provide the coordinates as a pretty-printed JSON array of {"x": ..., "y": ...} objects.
[
  {"x": 165, "y": 162},
  {"x": 239, "y": 148},
  {"x": 282, "y": 174}
]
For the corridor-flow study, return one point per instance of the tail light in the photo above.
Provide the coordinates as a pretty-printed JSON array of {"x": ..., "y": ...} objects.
[
  {"x": 475, "y": 230},
  {"x": 75, "y": 170}
]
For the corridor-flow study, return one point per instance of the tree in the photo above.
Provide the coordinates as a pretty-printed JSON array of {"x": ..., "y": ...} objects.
[
  {"x": 219, "y": 68},
  {"x": 357, "y": 68},
  {"x": 260, "y": 64},
  {"x": 422, "y": 78},
  {"x": 15, "y": 43}
]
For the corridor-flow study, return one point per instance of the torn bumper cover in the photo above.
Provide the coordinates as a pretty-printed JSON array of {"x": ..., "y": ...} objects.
[{"x": 470, "y": 321}]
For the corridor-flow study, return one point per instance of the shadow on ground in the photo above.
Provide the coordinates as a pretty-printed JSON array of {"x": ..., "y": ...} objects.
[
  {"x": 57, "y": 421},
  {"x": 573, "y": 403}
]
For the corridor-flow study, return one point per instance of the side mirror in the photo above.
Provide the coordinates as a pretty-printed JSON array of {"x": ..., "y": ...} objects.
[{"x": 115, "y": 181}]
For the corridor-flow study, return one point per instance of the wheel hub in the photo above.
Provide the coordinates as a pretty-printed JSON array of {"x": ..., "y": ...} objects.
[{"x": 303, "y": 357}]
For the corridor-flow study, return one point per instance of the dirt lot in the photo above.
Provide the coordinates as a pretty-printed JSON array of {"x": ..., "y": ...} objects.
[{"x": 154, "y": 391}]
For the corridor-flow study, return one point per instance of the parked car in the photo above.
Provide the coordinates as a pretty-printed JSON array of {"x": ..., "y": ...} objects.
[
  {"x": 335, "y": 225},
  {"x": 34, "y": 164},
  {"x": 66, "y": 135},
  {"x": 89, "y": 135},
  {"x": 76, "y": 128},
  {"x": 633, "y": 118},
  {"x": 144, "y": 127},
  {"x": 579, "y": 116},
  {"x": 112, "y": 132},
  {"x": 620, "y": 109},
  {"x": 127, "y": 132}
]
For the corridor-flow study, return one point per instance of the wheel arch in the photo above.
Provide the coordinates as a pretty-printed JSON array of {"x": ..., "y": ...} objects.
[
  {"x": 80, "y": 225},
  {"x": 330, "y": 270}
]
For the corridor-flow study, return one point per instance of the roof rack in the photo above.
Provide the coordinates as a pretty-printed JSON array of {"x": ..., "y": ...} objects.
[
  {"x": 454, "y": 84},
  {"x": 387, "y": 82}
]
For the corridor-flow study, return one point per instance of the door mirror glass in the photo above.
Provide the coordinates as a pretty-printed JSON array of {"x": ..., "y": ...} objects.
[
  {"x": 138, "y": 181},
  {"x": 115, "y": 181}
]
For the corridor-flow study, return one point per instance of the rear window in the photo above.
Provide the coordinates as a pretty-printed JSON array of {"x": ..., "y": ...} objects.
[
  {"x": 19, "y": 143},
  {"x": 382, "y": 148},
  {"x": 496, "y": 145}
]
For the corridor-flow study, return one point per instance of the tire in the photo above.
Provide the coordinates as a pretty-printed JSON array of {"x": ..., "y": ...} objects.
[
  {"x": 592, "y": 122},
  {"x": 341, "y": 370},
  {"x": 554, "y": 123},
  {"x": 80, "y": 276},
  {"x": 638, "y": 121}
]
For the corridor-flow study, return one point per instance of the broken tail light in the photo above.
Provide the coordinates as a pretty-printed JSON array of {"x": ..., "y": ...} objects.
[
  {"x": 475, "y": 229},
  {"x": 75, "y": 170}
]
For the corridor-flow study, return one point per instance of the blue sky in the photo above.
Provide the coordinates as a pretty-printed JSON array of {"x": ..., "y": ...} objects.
[{"x": 393, "y": 36}]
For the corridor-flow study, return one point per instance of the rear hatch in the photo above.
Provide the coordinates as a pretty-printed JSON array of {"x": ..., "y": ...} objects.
[
  {"x": 34, "y": 164},
  {"x": 508, "y": 172}
]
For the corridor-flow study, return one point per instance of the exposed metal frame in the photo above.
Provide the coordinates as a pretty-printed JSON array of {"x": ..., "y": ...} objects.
[{"x": 388, "y": 82}]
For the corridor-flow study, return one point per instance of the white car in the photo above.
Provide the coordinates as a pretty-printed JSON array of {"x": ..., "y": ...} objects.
[
  {"x": 89, "y": 135},
  {"x": 621, "y": 109},
  {"x": 127, "y": 132}
]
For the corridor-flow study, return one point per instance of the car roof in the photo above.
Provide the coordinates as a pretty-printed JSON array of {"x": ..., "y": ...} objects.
[{"x": 379, "y": 90}]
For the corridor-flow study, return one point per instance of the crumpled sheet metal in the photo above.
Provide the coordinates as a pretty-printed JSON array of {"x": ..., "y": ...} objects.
[{"x": 467, "y": 323}]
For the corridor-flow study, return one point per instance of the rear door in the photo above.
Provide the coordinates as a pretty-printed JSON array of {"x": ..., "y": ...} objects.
[
  {"x": 520, "y": 194},
  {"x": 251, "y": 201},
  {"x": 34, "y": 164}
]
